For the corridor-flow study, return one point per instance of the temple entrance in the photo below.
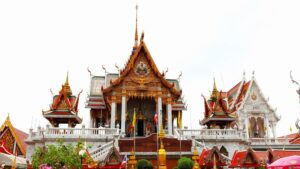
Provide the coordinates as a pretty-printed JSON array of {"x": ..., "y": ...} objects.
[
  {"x": 140, "y": 127},
  {"x": 145, "y": 109}
]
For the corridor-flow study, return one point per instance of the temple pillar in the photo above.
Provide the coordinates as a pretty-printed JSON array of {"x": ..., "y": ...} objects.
[
  {"x": 267, "y": 135},
  {"x": 273, "y": 124},
  {"x": 169, "y": 109},
  {"x": 247, "y": 128},
  {"x": 159, "y": 112},
  {"x": 113, "y": 112},
  {"x": 123, "y": 114}
]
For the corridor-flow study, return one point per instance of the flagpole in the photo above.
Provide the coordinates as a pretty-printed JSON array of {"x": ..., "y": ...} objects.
[{"x": 134, "y": 133}]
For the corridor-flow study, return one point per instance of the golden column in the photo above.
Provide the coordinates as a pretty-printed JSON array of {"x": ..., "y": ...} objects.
[
  {"x": 162, "y": 155},
  {"x": 195, "y": 158},
  {"x": 132, "y": 161}
]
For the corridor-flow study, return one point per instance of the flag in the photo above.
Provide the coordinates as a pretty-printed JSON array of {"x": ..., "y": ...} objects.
[
  {"x": 155, "y": 118},
  {"x": 124, "y": 162},
  {"x": 134, "y": 118},
  {"x": 14, "y": 163},
  {"x": 179, "y": 120}
]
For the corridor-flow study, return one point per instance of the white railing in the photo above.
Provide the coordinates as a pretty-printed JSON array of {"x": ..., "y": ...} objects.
[
  {"x": 56, "y": 132},
  {"x": 229, "y": 134},
  {"x": 268, "y": 141},
  {"x": 100, "y": 152}
]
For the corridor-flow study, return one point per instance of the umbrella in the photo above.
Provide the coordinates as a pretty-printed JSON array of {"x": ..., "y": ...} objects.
[{"x": 286, "y": 162}]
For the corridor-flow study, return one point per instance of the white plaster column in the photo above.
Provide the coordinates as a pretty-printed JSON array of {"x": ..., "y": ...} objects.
[
  {"x": 247, "y": 128},
  {"x": 159, "y": 112},
  {"x": 123, "y": 114},
  {"x": 273, "y": 124},
  {"x": 267, "y": 127},
  {"x": 169, "y": 108},
  {"x": 113, "y": 113}
]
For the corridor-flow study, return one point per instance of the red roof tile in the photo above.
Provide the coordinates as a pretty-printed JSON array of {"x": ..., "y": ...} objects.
[
  {"x": 22, "y": 137},
  {"x": 239, "y": 158}
]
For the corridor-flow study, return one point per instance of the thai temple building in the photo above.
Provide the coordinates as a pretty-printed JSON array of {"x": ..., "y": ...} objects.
[
  {"x": 138, "y": 112},
  {"x": 64, "y": 108},
  {"x": 12, "y": 145}
]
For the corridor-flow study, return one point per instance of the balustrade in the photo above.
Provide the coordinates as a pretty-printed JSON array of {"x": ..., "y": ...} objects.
[
  {"x": 211, "y": 134},
  {"x": 52, "y": 132}
]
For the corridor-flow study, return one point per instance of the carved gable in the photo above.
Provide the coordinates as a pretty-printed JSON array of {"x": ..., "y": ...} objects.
[
  {"x": 141, "y": 78},
  {"x": 11, "y": 139},
  {"x": 255, "y": 102}
]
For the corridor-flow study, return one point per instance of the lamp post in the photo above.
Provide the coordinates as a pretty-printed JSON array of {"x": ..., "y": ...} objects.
[{"x": 81, "y": 154}]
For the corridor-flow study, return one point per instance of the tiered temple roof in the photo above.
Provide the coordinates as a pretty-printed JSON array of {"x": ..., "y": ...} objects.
[
  {"x": 217, "y": 110},
  {"x": 64, "y": 108}
]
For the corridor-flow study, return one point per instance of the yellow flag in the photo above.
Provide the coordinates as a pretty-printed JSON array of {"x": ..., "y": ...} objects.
[
  {"x": 291, "y": 129},
  {"x": 179, "y": 120},
  {"x": 14, "y": 163},
  {"x": 134, "y": 118}
]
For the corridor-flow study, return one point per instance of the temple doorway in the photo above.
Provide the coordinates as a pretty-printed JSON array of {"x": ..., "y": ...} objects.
[
  {"x": 140, "y": 127},
  {"x": 145, "y": 109}
]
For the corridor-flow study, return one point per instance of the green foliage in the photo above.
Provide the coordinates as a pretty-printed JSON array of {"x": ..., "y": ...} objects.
[
  {"x": 144, "y": 164},
  {"x": 185, "y": 163},
  {"x": 58, "y": 156}
]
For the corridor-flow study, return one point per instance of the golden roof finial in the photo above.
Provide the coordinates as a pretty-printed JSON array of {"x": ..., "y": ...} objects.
[
  {"x": 66, "y": 86},
  {"x": 136, "y": 38},
  {"x": 214, "y": 93},
  {"x": 7, "y": 118},
  {"x": 67, "y": 79}
]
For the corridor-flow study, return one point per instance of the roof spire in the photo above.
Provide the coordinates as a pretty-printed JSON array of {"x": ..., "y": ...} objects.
[
  {"x": 136, "y": 38},
  {"x": 66, "y": 86},
  {"x": 67, "y": 79},
  {"x": 214, "y": 93}
]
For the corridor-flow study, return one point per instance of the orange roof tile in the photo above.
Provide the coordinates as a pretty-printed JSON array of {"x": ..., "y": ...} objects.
[{"x": 22, "y": 137}]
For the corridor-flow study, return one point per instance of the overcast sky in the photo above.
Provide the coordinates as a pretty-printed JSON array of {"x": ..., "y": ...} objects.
[{"x": 41, "y": 40}]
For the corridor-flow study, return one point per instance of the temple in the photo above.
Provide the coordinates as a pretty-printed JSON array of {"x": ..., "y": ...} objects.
[
  {"x": 64, "y": 108},
  {"x": 139, "y": 87},
  {"x": 126, "y": 108},
  {"x": 12, "y": 140},
  {"x": 217, "y": 113}
]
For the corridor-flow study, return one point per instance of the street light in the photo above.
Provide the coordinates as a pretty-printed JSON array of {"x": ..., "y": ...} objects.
[{"x": 81, "y": 154}]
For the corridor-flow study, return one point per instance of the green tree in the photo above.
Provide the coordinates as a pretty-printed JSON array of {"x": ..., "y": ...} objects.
[
  {"x": 185, "y": 163},
  {"x": 58, "y": 156},
  {"x": 144, "y": 164}
]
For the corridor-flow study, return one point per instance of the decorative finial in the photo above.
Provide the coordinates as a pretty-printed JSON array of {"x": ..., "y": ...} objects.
[
  {"x": 214, "y": 93},
  {"x": 117, "y": 67},
  {"x": 88, "y": 69},
  {"x": 66, "y": 86},
  {"x": 67, "y": 79},
  {"x": 179, "y": 76},
  {"x": 104, "y": 69},
  {"x": 51, "y": 92},
  {"x": 142, "y": 36},
  {"x": 7, "y": 118},
  {"x": 136, "y": 38}
]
